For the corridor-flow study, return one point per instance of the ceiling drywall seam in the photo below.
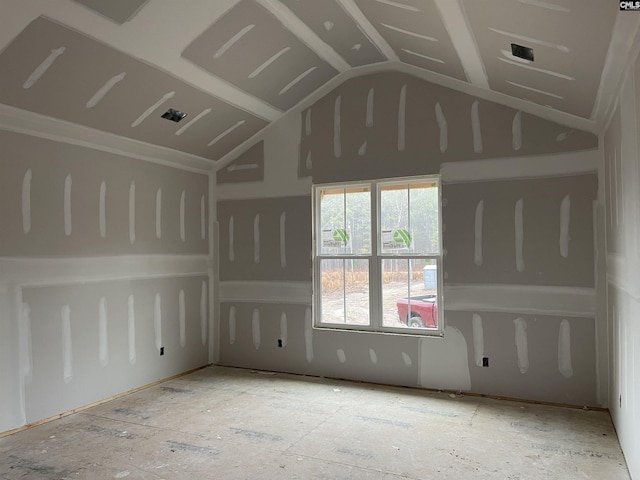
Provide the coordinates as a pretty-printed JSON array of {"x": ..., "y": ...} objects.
[
  {"x": 623, "y": 51},
  {"x": 304, "y": 33},
  {"x": 459, "y": 30},
  {"x": 21, "y": 121},
  {"x": 368, "y": 29}
]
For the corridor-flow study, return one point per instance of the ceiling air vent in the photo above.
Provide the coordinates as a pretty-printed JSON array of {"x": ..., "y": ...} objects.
[
  {"x": 522, "y": 52},
  {"x": 174, "y": 115}
]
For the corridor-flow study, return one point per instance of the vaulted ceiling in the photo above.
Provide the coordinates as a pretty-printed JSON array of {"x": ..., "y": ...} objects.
[{"x": 234, "y": 66}]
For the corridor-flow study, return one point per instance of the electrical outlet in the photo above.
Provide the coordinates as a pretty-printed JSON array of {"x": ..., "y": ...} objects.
[
  {"x": 280, "y": 342},
  {"x": 485, "y": 361},
  {"x": 161, "y": 351}
]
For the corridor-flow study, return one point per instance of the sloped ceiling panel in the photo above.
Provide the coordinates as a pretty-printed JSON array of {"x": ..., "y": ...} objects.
[
  {"x": 52, "y": 70},
  {"x": 119, "y": 11},
  {"x": 251, "y": 49},
  {"x": 569, "y": 53},
  {"x": 352, "y": 132},
  {"x": 415, "y": 31},
  {"x": 333, "y": 25}
]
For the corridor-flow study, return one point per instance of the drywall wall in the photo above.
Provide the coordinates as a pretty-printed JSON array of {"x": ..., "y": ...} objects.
[
  {"x": 621, "y": 173},
  {"x": 535, "y": 320},
  {"x": 104, "y": 262},
  {"x": 547, "y": 205},
  {"x": 366, "y": 121},
  {"x": 260, "y": 239},
  {"x": 91, "y": 341},
  {"x": 57, "y": 200}
]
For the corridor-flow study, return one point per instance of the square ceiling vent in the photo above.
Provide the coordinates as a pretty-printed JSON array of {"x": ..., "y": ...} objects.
[
  {"x": 520, "y": 51},
  {"x": 174, "y": 115}
]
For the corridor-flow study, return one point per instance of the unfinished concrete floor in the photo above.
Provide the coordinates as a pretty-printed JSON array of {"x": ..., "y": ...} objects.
[{"x": 220, "y": 423}]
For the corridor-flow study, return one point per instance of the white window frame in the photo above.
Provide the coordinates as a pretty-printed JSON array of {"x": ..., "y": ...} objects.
[{"x": 375, "y": 258}]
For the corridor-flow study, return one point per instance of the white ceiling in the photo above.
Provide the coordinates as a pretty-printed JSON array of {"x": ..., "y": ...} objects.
[{"x": 581, "y": 47}]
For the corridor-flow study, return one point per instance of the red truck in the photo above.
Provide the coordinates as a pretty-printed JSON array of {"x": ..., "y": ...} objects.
[{"x": 423, "y": 313}]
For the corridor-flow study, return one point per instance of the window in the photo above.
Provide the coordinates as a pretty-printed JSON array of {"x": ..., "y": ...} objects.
[{"x": 378, "y": 256}]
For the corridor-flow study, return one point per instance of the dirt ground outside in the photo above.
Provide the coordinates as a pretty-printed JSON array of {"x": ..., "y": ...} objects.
[{"x": 357, "y": 303}]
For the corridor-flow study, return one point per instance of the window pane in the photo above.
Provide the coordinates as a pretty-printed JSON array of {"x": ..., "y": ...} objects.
[
  {"x": 409, "y": 218},
  {"x": 424, "y": 217},
  {"x": 345, "y": 291},
  {"x": 394, "y": 219},
  {"x": 345, "y": 221},
  {"x": 409, "y": 293}
]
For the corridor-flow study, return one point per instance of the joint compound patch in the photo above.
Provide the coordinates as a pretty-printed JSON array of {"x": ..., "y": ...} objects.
[
  {"x": 188, "y": 447},
  {"x": 258, "y": 435},
  {"x": 110, "y": 432}
]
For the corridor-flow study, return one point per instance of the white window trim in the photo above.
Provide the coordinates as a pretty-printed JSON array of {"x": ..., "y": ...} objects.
[{"x": 375, "y": 258}]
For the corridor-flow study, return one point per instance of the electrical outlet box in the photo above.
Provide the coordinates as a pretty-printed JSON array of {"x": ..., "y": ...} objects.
[
  {"x": 161, "y": 351},
  {"x": 485, "y": 361}
]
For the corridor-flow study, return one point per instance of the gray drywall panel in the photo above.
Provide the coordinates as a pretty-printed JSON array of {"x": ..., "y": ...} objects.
[
  {"x": 119, "y": 11},
  {"x": 569, "y": 57},
  {"x": 248, "y": 167},
  {"x": 415, "y": 32},
  {"x": 11, "y": 413},
  {"x": 336, "y": 27},
  {"x": 53, "y": 389},
  {"x": 336, "y": 354},
  {"x": 239, "y": 345},
  {"x": 261, "y": 219},
  {"x": 80, "y": 67},
  {"x": 37, "y": 169},
  {"x": 612, "y": 169},
  {"x": 348, "y": 355},
  {"x": 542, "y": 255},
  {"x": 621, "y": 194},
  {"x": 413, "y": 127},
  {"x": 367, "y": 357},
  {"x": 542, "y": 379},
  {"x": 251, "y": 49}
]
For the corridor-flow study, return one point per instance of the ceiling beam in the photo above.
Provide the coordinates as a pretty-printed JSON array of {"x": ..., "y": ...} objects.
[
  {"x": 304, "y": 33},
  {"x": 457, "y": 25},
  {"x": 368, "y": 29}
]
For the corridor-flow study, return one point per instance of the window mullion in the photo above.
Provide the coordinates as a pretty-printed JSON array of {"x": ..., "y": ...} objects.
[
  {"x": 375, "y": 284},
  {"x": 344, "y": 290}
]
